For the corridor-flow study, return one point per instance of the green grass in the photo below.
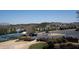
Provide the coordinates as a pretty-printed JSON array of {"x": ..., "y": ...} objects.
[{"x": 38, "y": 46}]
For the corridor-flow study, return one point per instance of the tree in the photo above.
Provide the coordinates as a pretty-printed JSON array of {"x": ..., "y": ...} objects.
[{"x": 3, "y": 31}]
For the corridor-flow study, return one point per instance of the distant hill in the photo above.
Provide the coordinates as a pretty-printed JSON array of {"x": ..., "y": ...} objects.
[
  {"x": 4, "y": 24},
  {"x": 76, "y": 23},
  {"x": 41, "y": 25}
]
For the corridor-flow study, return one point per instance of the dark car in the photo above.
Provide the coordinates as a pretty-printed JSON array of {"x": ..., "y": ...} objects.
[
  {"x": 77, "y": 29},
  {"x": 32, "y": 34}
]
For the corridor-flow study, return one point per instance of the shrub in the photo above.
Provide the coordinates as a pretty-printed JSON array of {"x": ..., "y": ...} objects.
[
  {"x": 69, "y": 46},
  {"x": 25, "y": 38},
  {"x": 50, "y": 45},
  {"x": 42, "y": 39},
  {"x": 71, "y": 39},
  {"x": 59, "y": 40},
  {"x": 38, "y": 46}
]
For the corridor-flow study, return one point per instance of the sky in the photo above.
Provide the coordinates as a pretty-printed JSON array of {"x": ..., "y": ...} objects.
[{"x": 37, "y": 16}]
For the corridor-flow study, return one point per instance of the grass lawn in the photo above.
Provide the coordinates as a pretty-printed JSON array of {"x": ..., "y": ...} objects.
[{"x": 38, "y": 46}]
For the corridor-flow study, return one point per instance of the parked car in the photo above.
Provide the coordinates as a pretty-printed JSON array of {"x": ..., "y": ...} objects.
[
  {"x": 77, "y": 29},
  {"x": 32, "y": 34}
]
